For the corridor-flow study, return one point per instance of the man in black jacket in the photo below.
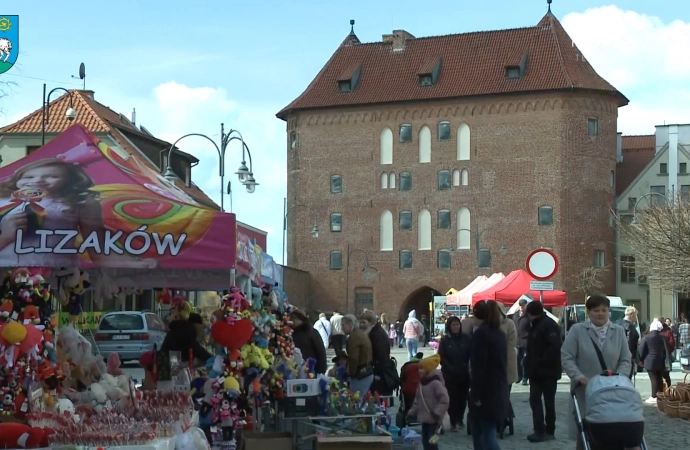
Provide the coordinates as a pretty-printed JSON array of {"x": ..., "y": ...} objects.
[
  {"x": 544, "y": 369},
  {"x": 522, "y": 326}
]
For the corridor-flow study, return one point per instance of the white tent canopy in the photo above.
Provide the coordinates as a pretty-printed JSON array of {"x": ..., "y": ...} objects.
[{"x": 464, "y": 297}]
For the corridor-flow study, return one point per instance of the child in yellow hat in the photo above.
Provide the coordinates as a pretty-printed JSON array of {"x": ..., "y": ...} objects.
[{"x": 431, "y": 401}]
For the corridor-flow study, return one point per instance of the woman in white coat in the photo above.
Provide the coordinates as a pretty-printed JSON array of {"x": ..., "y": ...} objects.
[{"x": 579, "y": 357}]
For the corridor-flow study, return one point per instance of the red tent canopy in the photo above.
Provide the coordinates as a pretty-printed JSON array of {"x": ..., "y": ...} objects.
[{"x": 514, "y": 285}]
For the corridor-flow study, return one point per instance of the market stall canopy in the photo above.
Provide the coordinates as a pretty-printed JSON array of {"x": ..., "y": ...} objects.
[
  {"x": 452, "y": 297},
  {"x": 76, "y": 202},
  {"x": 464, "y": 297},
  {"x": 513, "y": 286},
  {"x": 516, "y": 307}
]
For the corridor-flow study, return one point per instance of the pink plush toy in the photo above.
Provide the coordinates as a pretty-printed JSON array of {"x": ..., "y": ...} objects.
[{"x": 114, "y": 364}]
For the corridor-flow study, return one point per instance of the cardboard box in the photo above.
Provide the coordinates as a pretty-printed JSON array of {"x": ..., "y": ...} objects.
[
  {"x": 354, "y": 442},
  {"x": 266, "y": 441}
]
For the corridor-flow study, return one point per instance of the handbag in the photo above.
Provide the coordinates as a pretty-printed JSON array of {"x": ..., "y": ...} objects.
[
  {"x": 600, "y": 356},
  {"x": 433, "y": 440}
]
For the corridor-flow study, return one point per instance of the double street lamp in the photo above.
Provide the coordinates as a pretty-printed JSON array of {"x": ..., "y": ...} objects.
[
  {"x": 70, "y": 113},
  {"x": 244, "y": 174},
  {"x": 314, "y": 229},
  {"x": 478, "y": 251}
]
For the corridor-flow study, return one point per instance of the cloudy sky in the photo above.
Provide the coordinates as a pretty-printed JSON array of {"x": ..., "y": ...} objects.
[{"x": 188, "y": 66}]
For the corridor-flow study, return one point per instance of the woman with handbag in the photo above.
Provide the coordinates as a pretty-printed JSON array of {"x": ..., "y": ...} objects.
[{"x": 431, "y": 401}]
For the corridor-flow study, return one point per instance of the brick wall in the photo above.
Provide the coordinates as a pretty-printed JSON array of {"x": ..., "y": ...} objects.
[
  {"x": 526, "y": 151},
  {"x": 296, "y": 285}
]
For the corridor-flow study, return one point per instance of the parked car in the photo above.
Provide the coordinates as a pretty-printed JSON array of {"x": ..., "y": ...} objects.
[
  {"x": 684, "y": 358},
  {"x": 129, "y": 334}
]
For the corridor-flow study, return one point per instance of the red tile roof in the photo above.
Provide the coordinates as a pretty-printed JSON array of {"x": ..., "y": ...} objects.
[
  {"x": 638, "y": 151},
  {"x": 97, "y": 118},
  {"x": 473, "y": 64}
]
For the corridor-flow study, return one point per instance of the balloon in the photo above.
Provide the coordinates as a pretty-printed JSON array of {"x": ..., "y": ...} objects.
[{"x": 232, "y": 336}]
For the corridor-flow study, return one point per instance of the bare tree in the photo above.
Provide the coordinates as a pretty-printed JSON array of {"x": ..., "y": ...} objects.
[
  {"x": 5, "y": 89},
  {"x": 588, "y": 280},
  {"x": 658, "y": 236}
]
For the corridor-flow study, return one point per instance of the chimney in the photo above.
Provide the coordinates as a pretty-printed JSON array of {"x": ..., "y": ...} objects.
[
  {"x": 619, "y": 147},
  {"x": 399, "y": 38},
  {"x": 387, "y": 38},
  {"x": 88, "y": 93},
  {"x": 134, "y": 116}
]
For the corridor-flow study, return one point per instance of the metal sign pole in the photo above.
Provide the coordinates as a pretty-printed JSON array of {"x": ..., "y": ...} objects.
[{"x": 541, "y": 296}]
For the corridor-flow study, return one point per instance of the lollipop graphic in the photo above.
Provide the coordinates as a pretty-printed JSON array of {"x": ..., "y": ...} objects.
[{"x": 26, "y": 200}]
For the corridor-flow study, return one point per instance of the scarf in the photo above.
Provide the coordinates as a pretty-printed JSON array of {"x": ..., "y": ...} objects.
[{"x": 601, "y": 332}]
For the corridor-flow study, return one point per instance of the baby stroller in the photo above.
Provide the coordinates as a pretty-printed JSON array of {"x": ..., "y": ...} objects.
[{"x": 613, "y": 418}]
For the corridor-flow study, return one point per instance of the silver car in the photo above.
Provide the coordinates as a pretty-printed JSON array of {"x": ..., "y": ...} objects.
[{"x": 129, "y": 334}]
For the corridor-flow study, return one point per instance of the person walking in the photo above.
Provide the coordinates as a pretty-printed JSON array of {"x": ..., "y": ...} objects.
[
  {"x": 543, "y": 364},
  {"x": 431, "y": 400},
  {"x": 454, "y": 349},
  {"x": 683, "y": 333},
  {"x": 359, "y": 356},
  {"x": 630, "y": 327},
  {"x": 580, "y": 353},
  {"x": 667, "y": 333},
  {"x": 655, "y": 358},
  {"x": 323, "y": 326},
  {"x": 308, "y": 340},
  {"x": 522, "y": 325},
  {"x": 488, "y": 377},
  {"x": 413, "y": 331},
  {"x": 399, "y": 331},
  {"x": 337, "y": 335},
  {"x": 380, "y": 351}
]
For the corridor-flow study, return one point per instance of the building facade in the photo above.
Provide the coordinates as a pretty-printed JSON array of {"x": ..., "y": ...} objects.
[
  {"x": 429, "y": 161},
  {"x": 650, "y": 167}
]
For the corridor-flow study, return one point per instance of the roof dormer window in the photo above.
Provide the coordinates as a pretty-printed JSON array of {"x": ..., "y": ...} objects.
[
  {"x": 344, "y": 86},
  {"x": 512, "y": 72},
  {"x": 428, "y": 72},
  {"x": 347, "y": 81},
  {"x": 426, "y": 80}
]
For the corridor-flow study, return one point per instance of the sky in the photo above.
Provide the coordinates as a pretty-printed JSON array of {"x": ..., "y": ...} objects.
[{"x": 188, "y": 66}]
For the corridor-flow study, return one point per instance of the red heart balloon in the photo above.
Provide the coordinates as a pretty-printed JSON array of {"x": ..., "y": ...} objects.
[{"x": 232, "y": 336}]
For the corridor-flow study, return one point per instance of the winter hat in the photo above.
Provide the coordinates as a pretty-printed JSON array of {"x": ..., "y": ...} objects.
[{"x": 430, "y": 363}]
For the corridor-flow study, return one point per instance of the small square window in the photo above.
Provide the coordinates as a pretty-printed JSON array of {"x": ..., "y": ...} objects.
[
  {"x": 443, "y": 259},
  {"x": 444, "y": 180},
  {"x": 336, "y": 222},
  {"x": 593, "y": 127},
  {"x": 663, "y": 168},
  {"x": 406, "y": 132},
  {"x": 405, "y": 181},
  {"x": 336, "y": 184},
  {"x": 345, "y": 86},
  {"x": 405, "y": 220},
  {"x": 545, "y": 215},
  {"x": 405, "y": 259},
  {"x": 336, "y": 260},
  {"x": 599, "y": 260},
  {"x": 426, "y": 80},
  {"x": 484, "y": 258},
  {"x": 512, "y": 72},
  {"x": 444, "y": 131},
  {"x": 444, "y": 219},
  {"x": 628, "y": 269},
  {"x": 683, "y": 168}
]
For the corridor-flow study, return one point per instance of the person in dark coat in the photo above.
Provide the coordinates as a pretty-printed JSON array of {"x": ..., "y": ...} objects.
[
  {"x": 629, "y": 325},
  {"x": 380, "y": 351},
  {"x": 653, "y": 356},
  {"x": 489, "y": 375},
  {"x": 667, "y": 333},
  {"x": 308, "y": 340},
  {"x": 182, "y": 336},
  {"x": 455, "y": 348},
  {"x": 522, "y": 325},
  {"x": 544, "y": 369}
]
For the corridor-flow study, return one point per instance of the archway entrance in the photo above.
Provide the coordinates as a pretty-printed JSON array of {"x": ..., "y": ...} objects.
[{"x": 418, "y": 300}]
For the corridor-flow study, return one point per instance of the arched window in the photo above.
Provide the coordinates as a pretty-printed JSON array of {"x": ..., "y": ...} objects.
[
  {"x": 391, "y": 180},
  {"x": 424, "y": 230},
  {"x": 465, "y": 177},
  {"x": 464, "y": 227},
  {"x": 425, "y": 145},
  {"x": 463, "y": 142},
  {"x": 386, "y": 231},
  {"x": 387, "y": 146},
  {"x": 384, "y": 180},
  {"x": 456, "y": 177}
]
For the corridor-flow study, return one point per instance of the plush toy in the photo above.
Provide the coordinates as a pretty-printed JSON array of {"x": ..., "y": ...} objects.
[
  {"x": 31, "y": 315},
  {"x": 113, "y": 366},
  {"x": 181, "y": 309},
  {"x": 18, "y": 436},
  {"x": 98, "y": 397}
]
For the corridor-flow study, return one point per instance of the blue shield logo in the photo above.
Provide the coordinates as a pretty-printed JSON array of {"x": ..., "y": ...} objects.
[{"x": 9, "y": 45}]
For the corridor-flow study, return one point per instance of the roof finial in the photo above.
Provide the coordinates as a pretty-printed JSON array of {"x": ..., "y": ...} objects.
[
  {"x": 352, "y": 26},
  {"x": 549, "y": 3}
]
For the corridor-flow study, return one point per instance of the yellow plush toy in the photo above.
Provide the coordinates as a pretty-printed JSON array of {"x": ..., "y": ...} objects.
[{"x": 14, "y": 332}]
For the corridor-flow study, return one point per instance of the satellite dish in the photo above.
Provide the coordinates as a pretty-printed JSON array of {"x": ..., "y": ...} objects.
[{"x": 82, "y": 71}]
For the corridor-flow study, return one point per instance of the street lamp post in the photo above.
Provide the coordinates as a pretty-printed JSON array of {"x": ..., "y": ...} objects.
[
  {"x": 71, "y": 113},
  {"x": 244, "y": 175},
  {"x": 367, "y": 266},
  {"x": 477, "y": 237},
  {"x": 314, "y": 229}
]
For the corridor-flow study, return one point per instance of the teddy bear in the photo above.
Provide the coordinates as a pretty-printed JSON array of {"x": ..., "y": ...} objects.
[{"x": 98, "y": 397}]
